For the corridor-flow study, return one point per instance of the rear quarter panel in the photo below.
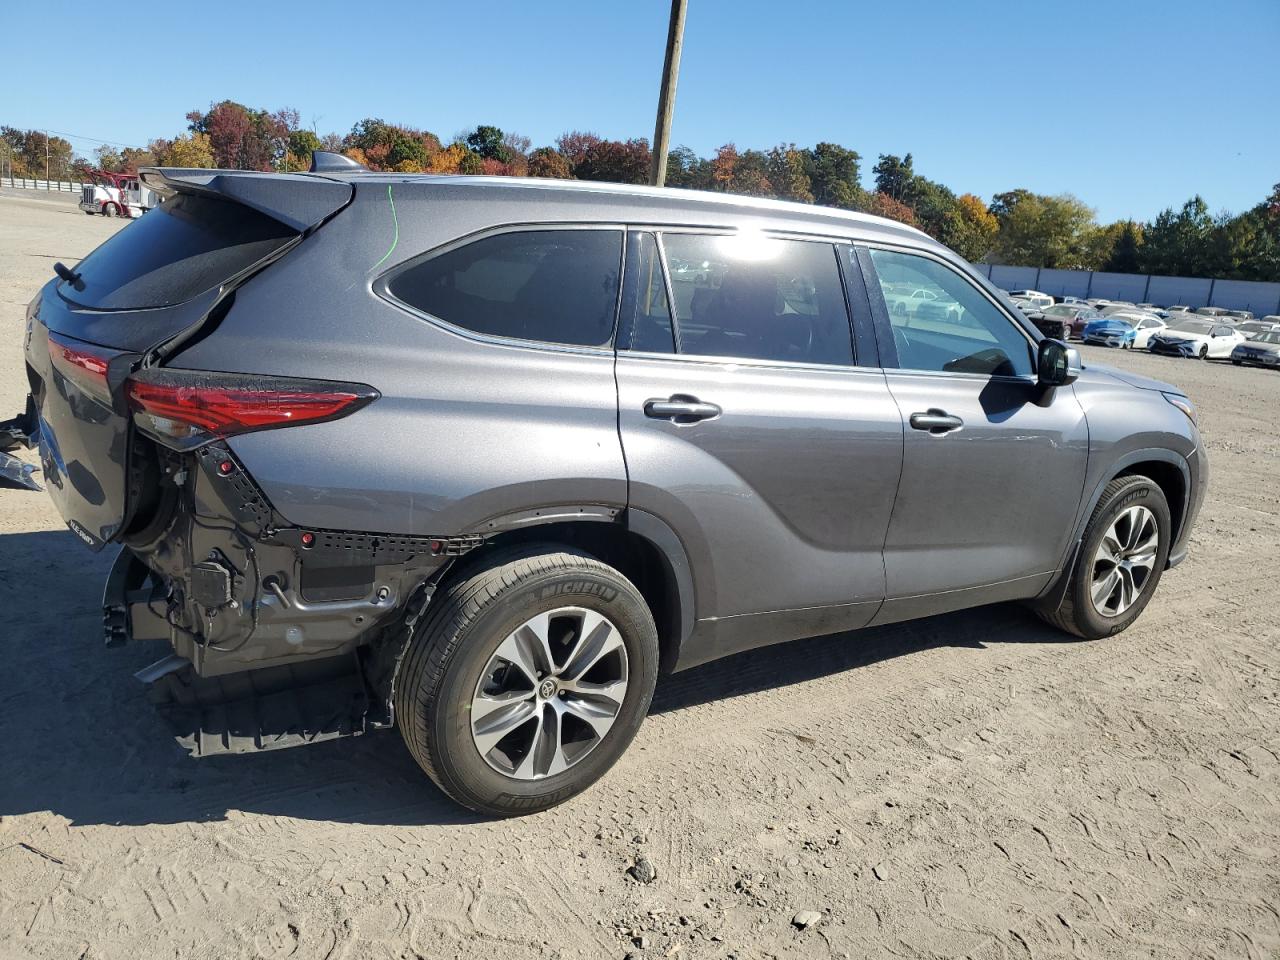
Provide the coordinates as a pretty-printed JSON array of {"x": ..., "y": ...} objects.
[{"x": 465, "y": 430}]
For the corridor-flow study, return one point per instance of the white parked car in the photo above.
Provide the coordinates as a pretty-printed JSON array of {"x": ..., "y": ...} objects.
[
  {"x": 1203, "y": 337},
  {"x": 1255, "y": 328},
  {"x": 1033, "y": 298},
  {"x": 1145, "y": 324}
]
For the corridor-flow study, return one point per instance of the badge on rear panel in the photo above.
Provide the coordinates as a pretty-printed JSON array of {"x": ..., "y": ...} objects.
[{"x": 92, "y": 542}]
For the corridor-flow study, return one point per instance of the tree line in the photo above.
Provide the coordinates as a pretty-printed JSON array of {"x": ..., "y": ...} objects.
[{"x": 1017, "y": 227}]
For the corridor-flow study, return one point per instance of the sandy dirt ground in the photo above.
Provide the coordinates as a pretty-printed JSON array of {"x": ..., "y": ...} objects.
[{"x": 973, "y": 785}]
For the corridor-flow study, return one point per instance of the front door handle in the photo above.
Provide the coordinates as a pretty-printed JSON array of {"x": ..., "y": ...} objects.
[
  {"x": 936, "y": 421},
  {"x": 680, "y": 408}
]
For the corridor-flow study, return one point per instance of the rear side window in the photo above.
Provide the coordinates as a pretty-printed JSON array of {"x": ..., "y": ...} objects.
[
  {"x": 555, "y": 286},
  {"x": 187, "y": 245},
  {"x": 750, "y": 296}
]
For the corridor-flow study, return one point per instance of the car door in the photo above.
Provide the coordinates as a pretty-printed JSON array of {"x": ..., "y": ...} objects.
[
  {"x": 749, "y": 428},
  {"x": 993, "y": 464},
  {"x": 1222, "y": 341}
]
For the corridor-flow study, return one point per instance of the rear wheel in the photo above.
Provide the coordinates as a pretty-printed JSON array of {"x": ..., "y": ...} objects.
[
  {"x": 528, "y": 680},
  {"x": 1204, "y": 353},
  {"x": 1121, "y": 558}
]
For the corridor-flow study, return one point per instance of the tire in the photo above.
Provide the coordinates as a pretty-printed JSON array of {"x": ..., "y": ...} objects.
[
  {"x": 109, "y": 210},
  {"x": 1236, "y": 363},
  {"x": 1204, "y": 353},
  {"x": 455, "y": 647},
  {"x": 1078, "y": 613}
]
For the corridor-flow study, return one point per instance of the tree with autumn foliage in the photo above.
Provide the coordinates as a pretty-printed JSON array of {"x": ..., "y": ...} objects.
[
  {"x": 970, "y": 228},
  {"x": 882, "y": 205},
  {"x": 618, "y": 161},
  {"x": 549, "y": 162}
]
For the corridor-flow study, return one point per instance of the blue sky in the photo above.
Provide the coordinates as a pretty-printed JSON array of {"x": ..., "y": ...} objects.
[{"x": 1129, "y": 104}]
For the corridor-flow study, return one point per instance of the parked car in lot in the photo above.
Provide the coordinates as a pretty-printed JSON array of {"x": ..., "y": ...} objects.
[
  {"x": 1074, "y": 316},
  {"x": 1110, "y": 332},
  {"x": 466, "y": 455},
  {"x": 1033, "y": 298},
  {"x": 1211, "y": 311},
  {"x": 1252, "y": 328},
  {"x": 1239, "y": 314},
  {"x": 1204, "y": 338},
  {"x": 1145, "y": 325},
  {"x": 1262, "y": 350}
]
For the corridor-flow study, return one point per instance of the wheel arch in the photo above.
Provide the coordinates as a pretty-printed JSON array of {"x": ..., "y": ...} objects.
[
  {"x": 1167, "y": 469},
  {"x": 637, "y": 544}
]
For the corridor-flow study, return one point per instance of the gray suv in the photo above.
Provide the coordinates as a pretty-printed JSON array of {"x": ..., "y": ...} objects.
[{"x": 480, "y": 458}]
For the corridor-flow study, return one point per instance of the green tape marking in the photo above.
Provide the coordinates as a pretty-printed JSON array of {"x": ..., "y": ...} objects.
[{"x": 395, "y": 239}]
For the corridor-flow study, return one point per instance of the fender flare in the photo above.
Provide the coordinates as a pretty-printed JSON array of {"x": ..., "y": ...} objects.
[
  {"x": 1051, "y": 597},
  {"x": 668, "y": 544}
]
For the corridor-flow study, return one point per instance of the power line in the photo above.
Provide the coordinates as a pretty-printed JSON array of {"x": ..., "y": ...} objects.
[{"x": 79, "y": 136}]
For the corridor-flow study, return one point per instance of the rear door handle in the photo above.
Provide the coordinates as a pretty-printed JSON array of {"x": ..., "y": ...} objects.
[
  {"x": 680, "y": 408},
  {"x": 936, "y": 421}
]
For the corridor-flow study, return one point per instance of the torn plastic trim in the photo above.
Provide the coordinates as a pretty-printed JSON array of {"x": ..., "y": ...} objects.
[{"x": 18, "y": 473}]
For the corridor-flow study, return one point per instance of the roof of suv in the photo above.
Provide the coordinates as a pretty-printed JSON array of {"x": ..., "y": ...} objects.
[
  {"x": 634, "y": 190},
  {"x": 617, "y": 194}
]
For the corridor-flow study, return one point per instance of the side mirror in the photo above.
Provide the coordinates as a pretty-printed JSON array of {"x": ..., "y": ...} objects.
[{"x": 1057, "y": 364}]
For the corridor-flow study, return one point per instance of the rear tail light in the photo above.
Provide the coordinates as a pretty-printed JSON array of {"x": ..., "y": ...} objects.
[
  {"x": 83, "y": 364},
  {"x": 185, "y": 408}
]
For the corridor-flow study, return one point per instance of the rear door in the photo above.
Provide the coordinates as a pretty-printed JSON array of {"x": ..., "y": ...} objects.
[
  {"x": 993, "y": 465},
  {"x": 750, "y": 426}
]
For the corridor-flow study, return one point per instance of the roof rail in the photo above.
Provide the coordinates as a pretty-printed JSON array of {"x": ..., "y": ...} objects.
[{"x": 322, "y": 161}]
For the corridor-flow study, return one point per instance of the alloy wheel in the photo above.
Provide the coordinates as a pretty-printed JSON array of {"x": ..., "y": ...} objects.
[
  {"x": 550, "y": 693},
  {"x": 1124, "y": 561}
]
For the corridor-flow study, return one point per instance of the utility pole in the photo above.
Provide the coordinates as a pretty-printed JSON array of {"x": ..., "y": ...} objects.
[
  {"x": 667, "y": 96},
  {"x": 46, "y": 158}
]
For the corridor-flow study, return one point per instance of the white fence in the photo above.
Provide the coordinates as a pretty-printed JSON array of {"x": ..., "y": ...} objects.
[{"x": 63, "y": 186}]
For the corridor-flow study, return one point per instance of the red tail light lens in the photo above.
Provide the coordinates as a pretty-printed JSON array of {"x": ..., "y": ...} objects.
[
  {"x": 188, "y": 407},
  {"x": 84, "y": 364}
]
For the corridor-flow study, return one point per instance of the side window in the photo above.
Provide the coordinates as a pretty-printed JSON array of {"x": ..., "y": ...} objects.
[
  {"x": 556, "y": 286},
  {"x": 956, "y": 331},
  {"x": 650, "y": 315},
  {"x": 750, "y": 296}
]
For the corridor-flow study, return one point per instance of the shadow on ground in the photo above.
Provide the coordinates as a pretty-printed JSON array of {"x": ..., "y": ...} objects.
[{"x": 79, "y": 738}]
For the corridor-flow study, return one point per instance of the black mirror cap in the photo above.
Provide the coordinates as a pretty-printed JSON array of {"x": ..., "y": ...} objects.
[{"x": 1057, "y": 364}]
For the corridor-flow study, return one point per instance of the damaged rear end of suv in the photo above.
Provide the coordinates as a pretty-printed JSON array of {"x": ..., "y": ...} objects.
[{"x": 137, "y": 450}]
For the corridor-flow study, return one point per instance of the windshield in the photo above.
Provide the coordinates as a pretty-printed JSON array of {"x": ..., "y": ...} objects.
[
  {"x": 1272, "y": 337},
  {"x": 1191, "y": 326}
]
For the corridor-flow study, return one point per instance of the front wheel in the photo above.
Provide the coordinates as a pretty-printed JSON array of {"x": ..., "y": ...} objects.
[
  {"x": 1237, "y": 362},
  {"x": 528, "y": 679},
  {"x": 1121, "y": 558},
  {"x": 109, "y": 211}
]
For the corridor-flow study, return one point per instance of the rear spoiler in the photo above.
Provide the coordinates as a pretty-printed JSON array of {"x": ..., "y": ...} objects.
[{"x": 298, "y": 200}]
